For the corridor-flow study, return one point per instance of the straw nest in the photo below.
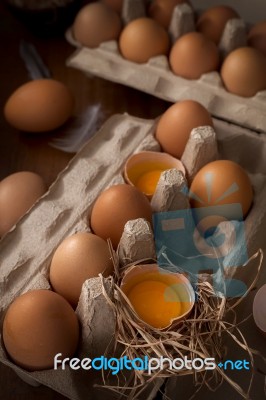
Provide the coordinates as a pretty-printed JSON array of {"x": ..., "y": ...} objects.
[{"x": 202, "y": 335}]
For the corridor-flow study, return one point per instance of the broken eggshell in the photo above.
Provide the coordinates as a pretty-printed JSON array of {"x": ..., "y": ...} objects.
[
  {"x": 143, "y": 169},
  {"x": 154, "y": 310}
]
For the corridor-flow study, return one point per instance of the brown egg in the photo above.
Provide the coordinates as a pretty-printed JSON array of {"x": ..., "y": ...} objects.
[
  {"x": 142, "y": 39},
  {"x": 18, "y": 193},
  {"x": 222, "y": 182},
  {"x": 193, "y": 55},
  {"x": 115, "y": 207},
  {"x": 78, "y": 258},
  {"x": 244, "y": 72},
  {"x": 162, "y": 10},
  {"x": 116, "y": 5},
  {"x": 176, "y": 124},
  {"x": 96, "y": 23},
  {"x": 37, "y": 326},
  {"x": 257, "y": 37},
  {"x": 213, "y": 21},
  {"x": 39, "y": 106}
]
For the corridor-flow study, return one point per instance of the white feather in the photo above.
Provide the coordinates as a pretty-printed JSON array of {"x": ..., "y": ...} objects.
[
  {"x": 33, "y": 61},
  {"x": 83, "y": 129}
]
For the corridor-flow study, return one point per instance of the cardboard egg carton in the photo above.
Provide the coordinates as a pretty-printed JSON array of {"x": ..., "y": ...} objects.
[
  {"x": 155, "y": 77},
  {"x": 27, "y": 250}
]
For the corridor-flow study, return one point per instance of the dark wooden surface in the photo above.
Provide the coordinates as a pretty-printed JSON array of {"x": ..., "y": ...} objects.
[{"x": 20, "y": 151}]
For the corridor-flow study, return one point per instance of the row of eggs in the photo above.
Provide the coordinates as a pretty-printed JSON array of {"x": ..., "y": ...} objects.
[
  {"x": 84, "y": 255},
  {"x": 191, "y": 56},
  {"x": 41, "y": 323},
  {"x": 172, "y": 133},
  {"x": 211, "y": 22}
]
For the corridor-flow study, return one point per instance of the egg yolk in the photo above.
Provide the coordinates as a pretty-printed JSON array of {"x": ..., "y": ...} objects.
[
  {"x": 156, "y": 303},
  {"x": 147, "y": 182}
]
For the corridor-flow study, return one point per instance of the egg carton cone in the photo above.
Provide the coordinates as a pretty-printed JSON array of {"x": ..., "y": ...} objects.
[
  {"x": 200, "y": 150},
  {"x": 234, "y": 36},
  {"x": 93, "y": 311},
  {"x": 182, "y": 21},
  {"x": 156, "y": 78},
  {"x": 171, "y": 192},
  {"x": 132, "y": 9},
  {"x": 64, "y": 210},
  {"x": 136, "y": 243}
]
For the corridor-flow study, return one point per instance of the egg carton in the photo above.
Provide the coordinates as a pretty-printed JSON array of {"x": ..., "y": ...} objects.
[
  {"x": 156, "y": 78},
  {"x": 27, "y": 250}
]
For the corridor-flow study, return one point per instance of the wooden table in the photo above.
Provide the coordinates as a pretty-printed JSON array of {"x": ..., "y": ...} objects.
[{"x": 20, "y": 151}]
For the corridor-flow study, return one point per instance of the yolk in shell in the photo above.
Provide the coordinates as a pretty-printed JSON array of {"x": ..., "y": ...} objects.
[
  {"x": 155, "y": 302},
  {"x": 148, "y": 181}
]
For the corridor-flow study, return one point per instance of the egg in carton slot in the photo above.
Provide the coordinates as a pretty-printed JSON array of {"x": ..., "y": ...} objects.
[
  {"x": 64, "y": 211},
  {"x": 155, "y": 76}
]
